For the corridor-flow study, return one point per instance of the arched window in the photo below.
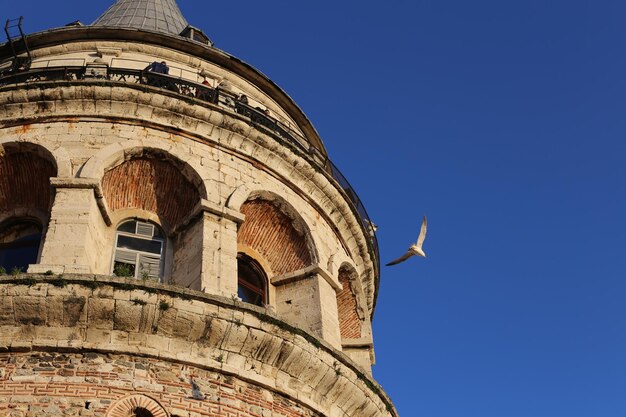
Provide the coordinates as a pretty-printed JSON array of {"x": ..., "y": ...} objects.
[
  {"x": 19, "y": 244},
  {"x": 252, "y": 282},
  {"x": 139, "y": 249}
]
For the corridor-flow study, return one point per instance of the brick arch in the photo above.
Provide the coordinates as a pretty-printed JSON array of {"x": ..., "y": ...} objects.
[
  {"x": 115, "y": 154},
  {"x": 350, "y": 321},
  {"x": 276, "y": 233},
  {"x": 25, "y": 172},
  {"x": 151, "y": 182},
  {"x": 126, "y": 406}
]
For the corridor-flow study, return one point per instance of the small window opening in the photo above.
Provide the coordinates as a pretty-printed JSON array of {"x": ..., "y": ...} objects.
[
  {"x": 139, "y": 250},
  {"x": 19, "y": 244},
  {"x": 142, "y": 412},
  {"x": 252, "y": 281}
]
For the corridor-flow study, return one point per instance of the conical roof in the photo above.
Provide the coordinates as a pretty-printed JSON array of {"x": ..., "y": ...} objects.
[{"x": 158, "y": 15}]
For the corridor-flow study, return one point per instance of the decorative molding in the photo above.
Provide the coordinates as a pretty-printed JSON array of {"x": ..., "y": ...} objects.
[
  {"x": 305, "y": 273},
  {"x": 362, "y": 342},
  {"x": 86, "y": 183},
  {"x": 126, "y": 406}
]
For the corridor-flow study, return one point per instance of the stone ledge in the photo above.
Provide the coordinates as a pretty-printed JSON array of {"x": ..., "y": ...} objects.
[
  {"x": 205, "y": 206},
  {"x": 179, "y": 325},
  {"x": 306, "y": 273},
  {"x": 357, "y": 343}
]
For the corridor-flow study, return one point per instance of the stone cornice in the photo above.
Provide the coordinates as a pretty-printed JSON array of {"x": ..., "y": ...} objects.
[
  {"x": 313, "y": 270},
  {"x": 86, "y": 183}
]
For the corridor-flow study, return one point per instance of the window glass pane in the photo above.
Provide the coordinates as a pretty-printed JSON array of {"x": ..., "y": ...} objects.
[
  {"x": 249, "y": 296},
  {"x": 138, "y": 244},
  {"x": 18, "y": 231},
  {"x": 158, "y": 233},
  {"x": 252, "y": 284},
  {"x": 127, "y": 227},
  {"x": 19, "y": 245},
  {"x": 250, "y": 275}
]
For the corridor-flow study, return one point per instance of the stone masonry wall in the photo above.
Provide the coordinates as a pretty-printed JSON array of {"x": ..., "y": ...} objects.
[
  {"x": 55, "y": 384},
  {"x": 90, "y": 130},
  {"x": 186, "y": 333}
]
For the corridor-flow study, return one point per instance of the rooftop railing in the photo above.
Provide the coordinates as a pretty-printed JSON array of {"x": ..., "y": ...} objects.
[{"x": 258, "y": 117}]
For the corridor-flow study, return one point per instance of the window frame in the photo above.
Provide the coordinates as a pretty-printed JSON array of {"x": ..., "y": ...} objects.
[
  {"x": 138, "y": 253},
  {"x": 259, "y": 272}
]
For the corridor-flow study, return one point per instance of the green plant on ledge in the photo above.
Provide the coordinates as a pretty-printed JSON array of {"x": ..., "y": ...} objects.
[
  {"x": 59, "y": 281},
  {"x": 123, "y": 270},
  {"x": 16, "y": 270},
  {"x": 3, "y": 271}
]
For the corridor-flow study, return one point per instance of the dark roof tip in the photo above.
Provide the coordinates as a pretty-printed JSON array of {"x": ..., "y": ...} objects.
[{"x": 157, "y": 15}]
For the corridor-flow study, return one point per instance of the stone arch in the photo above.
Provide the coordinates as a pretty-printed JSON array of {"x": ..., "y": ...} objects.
[
  {"x": 350, "y": 310},
  {"x": 35, "y": 214},
  {"x": 113, "y": 155},
  {"x": 126, "y": 406},
  {"x": 121, "y": 215},
  {"x": 238, "y": 197},
  {"x": 151, "y": 180},
  {"x": 275, "y": 230},
  {"x": 25, "y": 172},
  {"x": 58, "y": 156}
]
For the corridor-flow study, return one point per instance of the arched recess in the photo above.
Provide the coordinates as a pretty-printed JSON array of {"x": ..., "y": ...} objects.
[
  {"x": 351, "y": 315},
  {"x": 153, "y": 181},
  {"x": 275, "y": 231},
  {"x": 132, "y": 405},
  {"x": 25, "y": 201},
  {"x": 25, "y": 172},
  {"x": 57, "y": 156},
  {"x": 115, "y": 154}
]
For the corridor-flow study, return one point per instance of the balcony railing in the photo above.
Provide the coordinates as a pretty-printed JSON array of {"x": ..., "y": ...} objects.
[{"x": 215, "y": 96}]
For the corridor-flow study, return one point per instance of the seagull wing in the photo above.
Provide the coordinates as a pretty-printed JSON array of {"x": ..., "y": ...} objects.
[
  {"x": 422, "y": 236},
  {"x": 401, "y": 259}
]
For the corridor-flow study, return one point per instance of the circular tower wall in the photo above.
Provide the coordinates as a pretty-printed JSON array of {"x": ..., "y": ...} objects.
[{"x": 197, "y": 253}]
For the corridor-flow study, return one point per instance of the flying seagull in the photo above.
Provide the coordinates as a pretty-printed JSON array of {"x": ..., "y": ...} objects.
[{"x": 415, "y": 249}]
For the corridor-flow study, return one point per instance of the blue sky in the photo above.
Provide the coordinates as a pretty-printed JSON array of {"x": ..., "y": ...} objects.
[{"x": 503, "y": 121}]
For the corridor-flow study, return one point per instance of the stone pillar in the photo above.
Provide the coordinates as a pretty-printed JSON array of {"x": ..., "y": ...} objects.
[
  {"x": 187, "y": 257},
  {"x": 308, "y": 299},
  {"x": 76, "y": 239},
  {"x": 216, "y": 234}
]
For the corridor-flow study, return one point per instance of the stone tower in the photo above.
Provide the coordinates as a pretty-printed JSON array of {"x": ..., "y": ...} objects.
[{"x": 174, "y": 239}]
